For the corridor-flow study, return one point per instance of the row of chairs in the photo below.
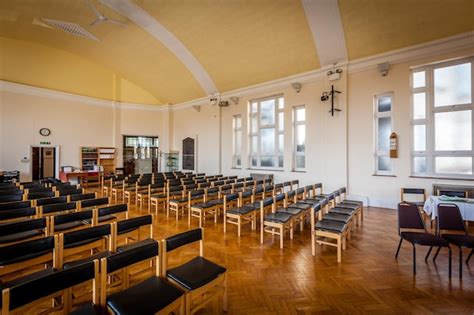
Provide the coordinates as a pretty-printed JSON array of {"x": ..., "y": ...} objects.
[
  {"x": 450, "y": 229},
  {"x": 183, "y": 289},
  {"x": 17, "y": 194}
]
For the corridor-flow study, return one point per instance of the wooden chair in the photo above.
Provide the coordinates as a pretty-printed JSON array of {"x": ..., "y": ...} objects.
[
  {"x": 73, "y": 221},
  {"x": 91, "y": 203},
  {"x": 144, "y": 197},
  {"x": 55, "y": 286},
  {"x": 150, "y": 296},
  {"x": 239, "y": 214},
  {"x": 129, "y": 230},
  {"x": 59, "y": 208},
  {"x": 113, "y": 213},
  {"x": 15, "y": 205},
  {"x": 210, "y": 206},
  {"x": 18, "y": 214},
  {"x": 275, "y": 223},
  {"x": 202, "y": 280},
  {"x": 417, "y": 192},
  {"x": 81, "y": 197},
  {"x": 20, "y": 231}
]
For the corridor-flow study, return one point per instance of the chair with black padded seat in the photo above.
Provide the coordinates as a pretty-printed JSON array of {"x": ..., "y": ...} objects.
[
  {"x": 82, "y": 197},
  {"x": 73, "y": 221},
  {"x": 181, "y": 205},
  {"x": 343, "y": 198},
  {"x": 411, "y": 228},
  {"x": 297, "y": 211},
  {"x": 279, "y": 188},
  {"x": 158, "y": 187},
  {"x": 11, "y": 192},
  {"x": 330, "y": 196},
  {"x": 112, "y": 213},
  {"x": 237, "y": 187},
  {"x": 450, "y": 226},
  {"x": 294, "y": 184},
  {"x": 50, "y": 201},
  {"x": 69, "y": 192},
  {"x": 18, "y": 214},
  {"x": 170, "y": 192},
  {"x": 110, "y": 183},
  {"x": 93, "y": 203},
  {"x": 452, "y": 193},
  {"x": 268, "y": 190},
  {"x": 227, "y": 189},
  {"x": 246, "y": 196},
  {"x": 26, "y": 295},
  {"x": 19, "y": 231},
  {"x": 238, "y": 213},
  {"x": 130, "y": 230},
  {"x": 11, "y": 198},
  {"x": 329, "y": 232},
  {"x": 273, "y": 222},
  {"x": 58, "y": 208},
  {"x": 95, "y": 242},
  {"x": 323, "y": 204},
  {"x": 130, "y": 193},
  {"x": 153, "y": 295},
  {"x": 202, "y": 280},
  {"x": 119, "y": 191},
  {"x": 211, "y": 205},
  {"x": 15, "y": 205},
  {"x": 26, "y": 257},
  {"x": 418, "y": 193}
]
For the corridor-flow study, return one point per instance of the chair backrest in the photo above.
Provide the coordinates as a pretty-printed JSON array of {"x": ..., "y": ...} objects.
[
  {"x": 17, "y": 213},
  {"x": 50, "y": 201},
  {"x": 15, "y": 205},
  {"x": 449, "y": 218},
  {"x": 452, "y": 193},
  {"x": 69, "y": 192},
  {"x": 39, "y": 195},
  {"x": 94, "y": 202},
  {"x": 22, "y": 226},
  {"x": 86, "y": 234},
  {"x": 82, "y": 197},
  {"x": 134, "y": 223},
  {"x": 11, "y": 198},
  {"x": 417, "y": 192},
  {"x": 11, "y": 192},
  {"x": 58, "y": 207},
  {"x": 143, "y": 250},
  {"x": 41, "y": 288},
  {"x": 185, "y": 238},
  {"x": 10, "y": 253},
  {"x": 73, "y": 217},
  {"x": 113, "y": 209},
  {"x": 39, "y": 189},
  {"x": 409, "y": 217},
  {"x": 230, "y": 197}
]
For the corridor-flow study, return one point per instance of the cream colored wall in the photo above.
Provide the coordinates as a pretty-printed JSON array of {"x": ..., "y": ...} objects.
[{"x": 384, "y": 191}]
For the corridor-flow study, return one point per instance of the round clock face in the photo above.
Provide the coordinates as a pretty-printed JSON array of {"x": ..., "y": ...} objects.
[{"x": 45, "y": 132}]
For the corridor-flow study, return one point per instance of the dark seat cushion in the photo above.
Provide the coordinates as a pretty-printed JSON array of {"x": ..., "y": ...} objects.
[
  {"x": 204, "y": 205},
  {"x": 241, "y": 210},
  {"x": 300, "y": 205},
  {"x": 425, "y": 239},
  {"x": 342, "y": 211},
  {"x": 98, "y": 256},
  {"x": 158, "y": 196},
  {"x": 279, "y": 217},
  {"x": 348, "y": 205},
  {"x": 69, "y": 225},
  {"x": 356, "y": 202},
  {"x": 86, "y": 309},
  {"x": 20, "y": 236},
  {"x": 312, "y": 200},
  {"x": 147, "y": 297},
  {"x": 290, "y": 210},
  {"x": 460, "y": 239},
  {"x": 195, "y": 273},
  {"x": 330, "y": 226},
  {"x": 216, "y": 202},
  {"x": 338, "y": 217}
]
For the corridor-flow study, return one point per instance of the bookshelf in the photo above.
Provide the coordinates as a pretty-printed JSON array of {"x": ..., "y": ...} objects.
[{"x": 93, "y": 157}]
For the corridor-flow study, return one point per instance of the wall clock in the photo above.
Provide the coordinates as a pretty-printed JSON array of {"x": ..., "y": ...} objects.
[{"x": 45, "y": 132}]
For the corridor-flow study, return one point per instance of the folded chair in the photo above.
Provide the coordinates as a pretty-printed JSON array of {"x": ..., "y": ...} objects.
[
  {"x": 202, "y": 280},
  {"x": 450, "y": 226},
  {"x": 14, "y": 232},
  {"x": 55, "y": 286},
  {"x": 150, "y": 296},
  {"x": 411, "y": 228}
]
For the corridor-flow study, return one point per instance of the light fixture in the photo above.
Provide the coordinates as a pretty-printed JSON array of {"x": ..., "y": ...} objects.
[
  {"x": 330, "y": 95},
  {"x": 334, "y": 74},
  {"x": 234, "y": 100},
  {"x": 296, "y": 86}
]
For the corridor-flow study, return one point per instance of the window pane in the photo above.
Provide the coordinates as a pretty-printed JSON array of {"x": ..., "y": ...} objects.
[
  {"x": 267, "y": 112},
  {"x": 419, "y": 79},
  {"x": 419, "y": 164},
  {"x": 238, "y": 161},
  {"x": 254, "y": 144},
  {"x": 238, "y": 122},
  {"x": 267, "y": 141},
  {"x": 281, "y": 103},
  {"x": 384, "y": 163},
  {"x": 267, "y": 161},
  {"x": 254, "y": 123},
  {"x": 238, "y": 142},
  {"x": 452, "y": 85},
  {"x": 384, "y": 104},
  {"x": 419, "y": 105},
  {"x": 300, "y": 114},
  {"x": 300, "y": 138},
  {"x": 280, "y": 161},
  {"x": 280, "y": 143},
  {"x": 454, "y": 165},
  {"x": 254, "y": 107},
  {"x": 300, "y": 161},
  {"x": 385, "y": 129},
  {"x": 453, "y": 131},
  {"x": 281, "y": 121},
  {"x": 254, "y": 161},
  {"x": 419, "y": 135}
]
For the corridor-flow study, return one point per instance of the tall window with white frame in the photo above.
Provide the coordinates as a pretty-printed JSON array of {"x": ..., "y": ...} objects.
[
  {"x": 442, "y": 117},
  {"x": 299, "y": 124},
  {"x": 237, "y": 141},
  {"x": 383, "y": 104},
  {"x": 266, "y": 132}
]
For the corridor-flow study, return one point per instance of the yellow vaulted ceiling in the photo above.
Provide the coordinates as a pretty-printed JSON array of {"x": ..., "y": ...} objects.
[
  {"x": 241, "y": 43},
  {"x": 376, "y": 26}
]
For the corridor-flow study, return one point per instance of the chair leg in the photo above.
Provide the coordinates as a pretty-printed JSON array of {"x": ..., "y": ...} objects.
[
  {"x": 469, "y": 257},
  {"x": 428, "y": 254},
  {"x": 450, "y": 264},
  {"x": 436, "y": 254},
  {"x": 460, "y": 262},
  {"x": 398, "y": 249},
  {"x": 414, "y": 259}
]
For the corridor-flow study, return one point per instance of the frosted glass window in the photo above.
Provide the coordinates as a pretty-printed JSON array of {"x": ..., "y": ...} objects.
[
  {"x": 280, "y": 143},
  {"x": 419, "y": 79},
  {"x": 384, "y": 104},
  {"x": 300, "y": 161},
  {"x": 238, "y": 141},
  {"x": 453, "y": 131},
  {"x": 254, "y": 123},
  {"x": 384, "y": 131},
  {"x": 419, "y": 105},
  {"x": 280, "y": 161},
  {"x": 419, "y": 164},
  {"x": 237, "y": 158},
  {"x": 254, "y": 107},
  {"x": 254, "y": 161},
  {"x": 267, "y": 112},
  {"x": 300, "y": 138},
  {"x": 452, "y": 85},
  {"x": 281, "y": 122},
  {"x": 281, "y": 103},
  {"x": 267, "y": 161},
  {"x": 384, "y": 164},
  {"x": 454, "y": 165},
  {"x": 419, "y": 135},
  {"x": 238, "y": 122},
  {"x": 300, "y": 114},
  {"x": 254, "y": 144},
  {"x": 267, "y": 141}
]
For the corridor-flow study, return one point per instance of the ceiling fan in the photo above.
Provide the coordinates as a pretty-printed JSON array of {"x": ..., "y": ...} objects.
[{"x": 100, "y": 18}]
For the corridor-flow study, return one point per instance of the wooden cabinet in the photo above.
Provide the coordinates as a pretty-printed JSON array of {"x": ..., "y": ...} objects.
[{"x": 93, "y": 157}]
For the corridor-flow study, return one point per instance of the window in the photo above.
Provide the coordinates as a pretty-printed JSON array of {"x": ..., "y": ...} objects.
[
  {"x": 266, "y": 132},
  {"x": 299, "y": 124},
  {"x": 383, "y": 128},
  {"x": 237, "y": 152},
  {"x": 442, "y": 120}
]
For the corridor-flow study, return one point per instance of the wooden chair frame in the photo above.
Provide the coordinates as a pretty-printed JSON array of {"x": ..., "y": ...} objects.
[{"x": 273, "y": 228}]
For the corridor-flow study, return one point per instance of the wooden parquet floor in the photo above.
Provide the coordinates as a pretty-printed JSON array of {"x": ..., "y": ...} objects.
[{"x": 262, "y": 279}]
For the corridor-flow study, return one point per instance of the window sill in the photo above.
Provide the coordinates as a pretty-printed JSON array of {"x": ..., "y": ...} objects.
[
  {"x": 298, "y": 171},
  {"x": 384, "y": 175},
  {"x": 442, "y": 177},
  {"x": 236, "y": 168},
  {"x": 266, "y": 169}
]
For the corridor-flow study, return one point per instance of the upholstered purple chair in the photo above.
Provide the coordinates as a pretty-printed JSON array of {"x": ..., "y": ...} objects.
[{"x": 412, "y": 229}]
